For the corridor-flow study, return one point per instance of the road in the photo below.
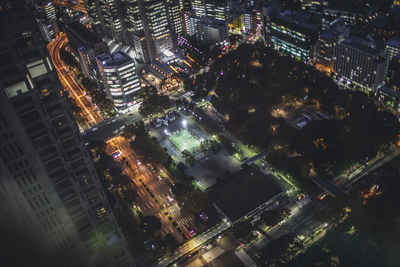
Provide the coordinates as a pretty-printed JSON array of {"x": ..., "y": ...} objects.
[
  {"x": 110, "y": 127},
  {"x": 88, "y": 111},
  {"x": 167, "y": 208},
  {"x": 299, "y": 223},
  {"x": 194, "y": 243},
  {"x": 80, "y": 4}
]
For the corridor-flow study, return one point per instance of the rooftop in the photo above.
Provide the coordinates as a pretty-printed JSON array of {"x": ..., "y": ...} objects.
[
  {"x": 117, "y": 58},
  {"x": 329, "y": 35},
  {"x": 368, "y": 46},
  {"x": 245, "y": 191},
  {"x": 390, "y": 91},
  {"x": 296, "y": 21},
  {"x": 212, "y": 22}
]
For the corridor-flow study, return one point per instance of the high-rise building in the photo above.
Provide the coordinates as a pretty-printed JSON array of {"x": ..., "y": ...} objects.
[
  {"x": 158, "y": 33},
  {"x": 357, "y": 62},
  {"x": 150, "y": 28},
  {"x": 199, "y": 8},
  {"x": 175, "y": 17},
  {"x": 191, "y": 28},
  {"x": 86, "y": 46},
  {"x": 107, "y": 17},
  {"x": 147, "y": 24},
  {"x": 45, "y": 14},
  {"x": 185, "y": 5},
  {"x": 289, "y": 33},
  {"x": 119, "y": 77},
  {"x": 215, "y": 9},
  {"x": 49, "y": 188},
  {"x": 112, "y": 15},
  {"x": 95, "y": 15}
]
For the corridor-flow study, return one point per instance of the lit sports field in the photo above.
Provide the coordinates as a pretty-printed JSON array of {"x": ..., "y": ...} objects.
[{"x": 185, "y": 140}]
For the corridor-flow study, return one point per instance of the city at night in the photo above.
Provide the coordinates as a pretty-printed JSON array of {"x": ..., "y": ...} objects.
[{"x": 191, "y": 133}]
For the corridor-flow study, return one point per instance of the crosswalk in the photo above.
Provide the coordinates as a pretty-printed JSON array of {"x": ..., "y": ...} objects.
[{"x": 155, "y": 184}]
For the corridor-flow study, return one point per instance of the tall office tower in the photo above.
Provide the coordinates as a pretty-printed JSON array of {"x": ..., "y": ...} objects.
[
  {"x": 119, "y": 77},
  {"x": 185, "y": 5},
  {"x": 45, "y": 14},
  {"x": 50, "y": 191},
  {"x": 175, "y": 17},
  {"x": 199, "y": 8},
  {"x": 112, "y": 15},
  {"x": 135, "y": 30},
  {"x": 215, "y": 9},
  {"x": 157, "y": 27},
  {"x": 357, "y": 62},
  {"x": 191, "y": 26},
  {"x": 95, "y": 16},
  {"x": 149, "y": 26}
]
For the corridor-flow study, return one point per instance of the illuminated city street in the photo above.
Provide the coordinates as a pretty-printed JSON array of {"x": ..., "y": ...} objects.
[
  {"x": 89, "y": 112},
  {"x": 200, "y": 133},
  {"x": 156, "y": 182}
]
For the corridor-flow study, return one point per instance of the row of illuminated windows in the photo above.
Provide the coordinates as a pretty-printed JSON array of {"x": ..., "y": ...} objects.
[{"x": 289, "y": 32}]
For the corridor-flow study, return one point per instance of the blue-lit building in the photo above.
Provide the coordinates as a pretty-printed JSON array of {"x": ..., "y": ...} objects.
[
  {"x": 118, "y": 73},
  {"x": 290, "y": 34}
]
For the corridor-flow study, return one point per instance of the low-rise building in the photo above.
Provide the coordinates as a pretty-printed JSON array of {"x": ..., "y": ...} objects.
[{"x": 245, "y": 197}]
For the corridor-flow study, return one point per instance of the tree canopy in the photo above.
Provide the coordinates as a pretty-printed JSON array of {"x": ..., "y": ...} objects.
[{"x": 153, "y": 102}]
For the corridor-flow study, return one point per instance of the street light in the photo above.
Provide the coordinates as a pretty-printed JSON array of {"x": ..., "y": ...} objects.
[{"x": 184, "y": 123}]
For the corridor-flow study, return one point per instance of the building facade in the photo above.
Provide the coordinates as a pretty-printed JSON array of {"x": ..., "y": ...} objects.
[
  {"x": 86, "y": 46},
  {"x": 288, "y": 34},
  {"x": 149, "y": 26},
  {"x": 50, "y": 190},
  {"x": 212, "y": 32},
  {"x": 327, "y": 43},
  {"x": 216, "y": 9},
  {"x": 118, "y": 74},
  {"x": 45, "y": 14},
  {"x": 175, "y": 17},
  {"x": 392, "y": 49},
  {"x": 357, "y": 62}
]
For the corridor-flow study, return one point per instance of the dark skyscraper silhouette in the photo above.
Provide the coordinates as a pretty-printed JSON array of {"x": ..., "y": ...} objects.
[{"x": 52, "y": 205}]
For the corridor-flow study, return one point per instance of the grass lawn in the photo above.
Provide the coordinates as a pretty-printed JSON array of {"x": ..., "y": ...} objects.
[{"x": 184, "y": 140}]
